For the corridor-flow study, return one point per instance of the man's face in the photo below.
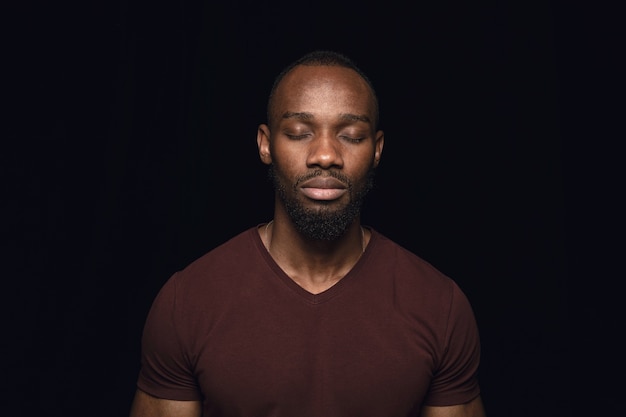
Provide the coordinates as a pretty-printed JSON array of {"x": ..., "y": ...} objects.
[{"x": 322, "y": 147}]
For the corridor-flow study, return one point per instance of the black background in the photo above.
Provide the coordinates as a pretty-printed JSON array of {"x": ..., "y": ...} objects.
[{"x": 131, "y": 132}]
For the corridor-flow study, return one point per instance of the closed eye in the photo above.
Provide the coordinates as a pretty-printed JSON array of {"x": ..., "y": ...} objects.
[
  {"x": 351, "y": 139},
  {"x": 297, "y": 137}
]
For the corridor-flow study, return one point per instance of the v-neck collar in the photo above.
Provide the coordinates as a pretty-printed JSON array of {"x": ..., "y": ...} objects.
[{"x": 307, "y": 296}]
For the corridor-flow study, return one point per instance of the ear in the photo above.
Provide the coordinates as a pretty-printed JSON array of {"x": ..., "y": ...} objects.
[
  {"x": 378, "y": 147},
  {"x": 263, "y": 143}
]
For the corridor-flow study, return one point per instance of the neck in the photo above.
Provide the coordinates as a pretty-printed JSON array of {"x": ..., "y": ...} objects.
[{"x": 315, "y": 265}]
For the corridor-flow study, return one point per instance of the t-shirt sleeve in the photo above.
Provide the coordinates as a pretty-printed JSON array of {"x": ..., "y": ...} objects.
[
  {"x": 455, "y": 380},
  {"x": 166, "y": 369}
]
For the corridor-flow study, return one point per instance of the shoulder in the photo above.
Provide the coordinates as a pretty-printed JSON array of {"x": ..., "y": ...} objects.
[
  {"x": 415, "y": 282},
  {"x": 422, "y": 295},
  {"x": 403, "y": 263},
  {"x": 227, "y": 258},
  {"x": 212, "y": 274},
  {"x": 212, "y": 281}
]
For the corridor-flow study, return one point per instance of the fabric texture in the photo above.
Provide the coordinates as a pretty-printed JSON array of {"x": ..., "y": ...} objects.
[{"x": 234, "y": 331}]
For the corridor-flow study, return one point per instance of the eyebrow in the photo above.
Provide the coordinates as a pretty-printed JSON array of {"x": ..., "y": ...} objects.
[
  {"x": 348, "y": 117},
  {"x": 298, "y": 115}
]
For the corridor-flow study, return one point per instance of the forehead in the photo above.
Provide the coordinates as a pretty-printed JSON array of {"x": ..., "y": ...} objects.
[{"x": 323, "y": 88}]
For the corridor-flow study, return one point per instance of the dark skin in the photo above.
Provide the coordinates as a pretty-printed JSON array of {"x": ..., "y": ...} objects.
[
  {"x": 323, "y": 118},
  {"x": 320, "y": 121}
]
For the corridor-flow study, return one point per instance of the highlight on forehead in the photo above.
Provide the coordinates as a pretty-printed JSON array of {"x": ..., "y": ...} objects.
[
  {"x": 322, "y": 58},
  {"x": 279, "y": 109}
]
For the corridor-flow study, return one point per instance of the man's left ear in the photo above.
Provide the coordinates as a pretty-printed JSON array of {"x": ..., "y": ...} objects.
[
  {"x": 378, "y": 150},
  {"x": 263, "y": 144}
]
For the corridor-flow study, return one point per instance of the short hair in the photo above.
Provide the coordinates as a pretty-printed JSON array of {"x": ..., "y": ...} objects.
[{"x": 323, "y": 58}]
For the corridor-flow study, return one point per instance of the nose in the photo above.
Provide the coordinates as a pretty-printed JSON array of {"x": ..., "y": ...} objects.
[{"x": 325, "y": 152}]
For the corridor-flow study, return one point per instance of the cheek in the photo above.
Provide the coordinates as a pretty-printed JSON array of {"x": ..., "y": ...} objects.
[
  {"x": 363, "y": 162},
  {"x": 363, "y": 171},
  {"x": 286, "y": 156},
  {"x": 283, "y": 173},
  {"x": 284, "y": 167}
]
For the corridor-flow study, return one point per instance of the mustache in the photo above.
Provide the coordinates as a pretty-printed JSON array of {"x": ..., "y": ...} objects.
[{"x": 318, "y": 172}]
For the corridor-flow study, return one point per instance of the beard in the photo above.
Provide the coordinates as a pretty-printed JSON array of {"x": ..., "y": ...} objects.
[{"x": 327, "y": 222}]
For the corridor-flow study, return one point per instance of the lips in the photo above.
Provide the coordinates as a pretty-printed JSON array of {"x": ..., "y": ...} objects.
[
  {"x": 323, "y": 188},
  {"x": 323, "y": 182}
]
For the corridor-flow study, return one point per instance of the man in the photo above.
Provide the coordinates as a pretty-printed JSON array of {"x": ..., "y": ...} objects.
[{"x": 312, "y": 314}]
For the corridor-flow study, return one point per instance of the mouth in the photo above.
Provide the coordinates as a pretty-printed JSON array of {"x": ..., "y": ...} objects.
[{"x": 324, "y": 189}]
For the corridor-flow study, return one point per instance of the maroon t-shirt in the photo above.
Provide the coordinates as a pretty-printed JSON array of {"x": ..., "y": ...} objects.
[{"x": 235, "y": 332}]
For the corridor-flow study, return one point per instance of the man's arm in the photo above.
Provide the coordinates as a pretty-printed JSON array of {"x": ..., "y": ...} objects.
[
  {"x": 473, "y": 408},
  {"x": 145, "y": 405}
]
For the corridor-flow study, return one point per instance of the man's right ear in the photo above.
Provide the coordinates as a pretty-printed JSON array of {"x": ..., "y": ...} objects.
[{"x": 263, "y": 143}]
